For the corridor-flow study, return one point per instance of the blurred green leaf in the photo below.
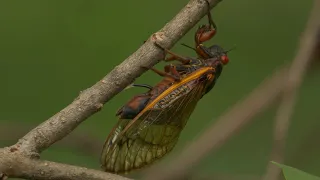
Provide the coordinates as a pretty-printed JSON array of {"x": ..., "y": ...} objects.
[{"x": 291, "y": 173}]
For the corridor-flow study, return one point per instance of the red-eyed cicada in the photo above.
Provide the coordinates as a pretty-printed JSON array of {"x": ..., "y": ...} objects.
[{"x": 150, "y": 123}]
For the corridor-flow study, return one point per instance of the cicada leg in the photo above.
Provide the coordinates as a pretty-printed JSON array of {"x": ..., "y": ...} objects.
[
  {"x": 174, "y": 56},
  {"x": 210, "y": 21},
  {"x": 205, "y": 33},
  {"x": 171, "y": 69},
  {"x": 163, "y": 74}
]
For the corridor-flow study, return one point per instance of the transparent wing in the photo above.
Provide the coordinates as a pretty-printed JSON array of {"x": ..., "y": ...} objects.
[{"x": 151, "y": 136}]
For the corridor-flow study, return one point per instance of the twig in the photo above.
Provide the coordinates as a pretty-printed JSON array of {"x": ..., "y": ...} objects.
[
  {"x": 295, "y": 76},
  {"x": 24, "y": 167},
  {"x": 92, "y": 99},
  {"x": 219, "y": 176},
  {"x": 227, "y": 125}
]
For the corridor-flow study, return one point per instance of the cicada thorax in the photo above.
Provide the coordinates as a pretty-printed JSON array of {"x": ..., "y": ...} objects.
[{"x": 195, "y": 64}]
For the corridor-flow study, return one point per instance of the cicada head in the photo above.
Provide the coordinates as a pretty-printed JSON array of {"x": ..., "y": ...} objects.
[
  {"x": 217, "y": 58},
  {"x": 218, "y": 53}
]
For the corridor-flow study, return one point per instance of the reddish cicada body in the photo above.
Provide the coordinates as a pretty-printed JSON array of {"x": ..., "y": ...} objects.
[{"x": 150, "y": 123}]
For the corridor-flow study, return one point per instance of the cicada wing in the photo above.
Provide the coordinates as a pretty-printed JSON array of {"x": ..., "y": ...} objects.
[{"x": 151, "y": 136}]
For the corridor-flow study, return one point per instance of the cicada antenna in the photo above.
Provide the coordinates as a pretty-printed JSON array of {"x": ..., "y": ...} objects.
[
  {"x": 234, "y": 47},
  {"x": 183, "y": 44}
]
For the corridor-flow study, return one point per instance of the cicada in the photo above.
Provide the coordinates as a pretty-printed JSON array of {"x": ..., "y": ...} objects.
[{"x": 149, "y": 124}]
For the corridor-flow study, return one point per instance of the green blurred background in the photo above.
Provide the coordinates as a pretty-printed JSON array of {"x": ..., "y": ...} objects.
[{"x": 51, "y": 50}]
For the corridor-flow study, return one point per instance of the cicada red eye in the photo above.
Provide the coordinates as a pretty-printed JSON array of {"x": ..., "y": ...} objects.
[{"x": 224, "y": 59}]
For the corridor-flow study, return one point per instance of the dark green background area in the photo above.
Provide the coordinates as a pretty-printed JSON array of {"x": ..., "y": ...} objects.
[{"x": 51, "y": 50}]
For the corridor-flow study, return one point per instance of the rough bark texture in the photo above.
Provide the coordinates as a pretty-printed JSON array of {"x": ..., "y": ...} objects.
[{"x": 15, "y": 165}]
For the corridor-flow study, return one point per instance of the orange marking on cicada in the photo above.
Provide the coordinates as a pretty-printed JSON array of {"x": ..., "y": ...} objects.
[{"x": 210, "y": 76}]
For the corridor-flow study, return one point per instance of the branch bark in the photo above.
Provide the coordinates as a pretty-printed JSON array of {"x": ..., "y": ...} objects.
[
  {"x": 297, "y": 70},
  {"x": 27, "y": 150},
  {"x": 15, "y": 165}
]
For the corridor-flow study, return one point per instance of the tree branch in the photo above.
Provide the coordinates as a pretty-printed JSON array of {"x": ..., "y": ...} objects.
[
  {"x": 15, "y": 165},
  {"x": 294, "y": 79},
  {"x": 91, "y": 101}
]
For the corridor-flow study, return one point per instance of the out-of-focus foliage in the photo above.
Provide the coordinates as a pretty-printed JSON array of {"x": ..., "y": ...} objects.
[
  {"x": 291, "y": 173},
  {"x": 51, "y": 50}
]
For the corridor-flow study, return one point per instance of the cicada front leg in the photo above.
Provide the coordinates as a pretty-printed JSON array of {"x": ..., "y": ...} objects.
[
  {"x": 176, "y": 77},
  {"x": 174, "y": 56},
  {"x": 205, "y": 33},
  {"x": 172, "y": 70}
]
